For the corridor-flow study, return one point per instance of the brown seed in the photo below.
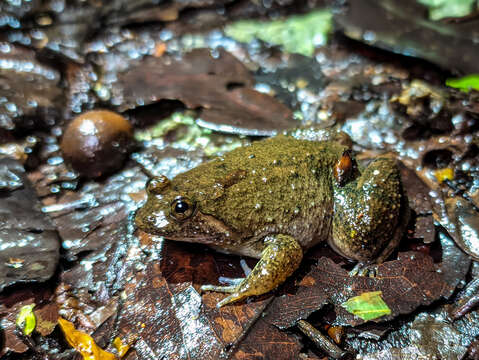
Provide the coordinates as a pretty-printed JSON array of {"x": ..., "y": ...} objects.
[{"x": 97, "y": 142}]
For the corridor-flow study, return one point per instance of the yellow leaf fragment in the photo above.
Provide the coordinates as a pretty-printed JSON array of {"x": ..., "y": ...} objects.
[
  {"x": 367, "y": 306},
  {"x": 120, "y": 346},
  {"x": 83, "y": 343},
  {"x": 26, "y": 319},
  {"x": 444, "y": 174}
]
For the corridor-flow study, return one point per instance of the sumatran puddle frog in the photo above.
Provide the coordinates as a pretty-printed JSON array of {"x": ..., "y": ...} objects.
[{"x": 273, "y": 200}]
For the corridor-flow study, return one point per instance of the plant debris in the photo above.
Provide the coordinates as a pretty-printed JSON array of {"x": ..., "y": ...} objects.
[
  {"x": 175, "y": 74},
  {"x": 367, "y": 306},
  {"x": 26, "y": 319},
  {"x": 83, "y": 343},
  {"x": 403, "y": 288}
]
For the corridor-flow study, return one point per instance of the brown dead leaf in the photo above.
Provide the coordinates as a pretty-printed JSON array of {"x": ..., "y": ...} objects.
[
  {"x": 29, "y": 243},
  {"x": 171, "y": 318},
  {"x": 32, "y": 92},
  {"x": 47, "y": 317},
  {"x": 11, "y": 341},
  {"x": 464, "y": 219},
  {"x": 10, "y": 305},
  {"x": 220, "y": 86},
  {"x": 265, "y": 341},
  {"x": 406, "y": 283}
]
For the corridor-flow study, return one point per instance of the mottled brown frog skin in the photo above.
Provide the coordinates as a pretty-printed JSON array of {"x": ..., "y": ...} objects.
[{"x": 274, "y": 199}]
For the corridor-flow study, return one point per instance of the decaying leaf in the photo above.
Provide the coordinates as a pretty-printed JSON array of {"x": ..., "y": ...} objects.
[
  {"x": 11, "y": 341},
  {"x": 367, "y": 306},
  {"x": 265, "y": 341},
  {"x": 464, "y": 224},
  {"x": 170, "y": 318},
  {"x": 402, "y": 27},
  {"x": 406, "y": 283},
  {"x": 46, "y": 316},
  {"x": 83, "y": 342},
  {"x": 220, "y": 86},
  {"x": 14, "y": 340},
  {"x": 29, "y": 89}
]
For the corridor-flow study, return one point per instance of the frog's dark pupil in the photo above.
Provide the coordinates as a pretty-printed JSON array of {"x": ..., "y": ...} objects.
[{"x": 181, "y": 207}]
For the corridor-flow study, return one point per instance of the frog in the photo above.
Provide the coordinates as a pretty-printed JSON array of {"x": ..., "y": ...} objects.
[{"x": 273, "y": 200}]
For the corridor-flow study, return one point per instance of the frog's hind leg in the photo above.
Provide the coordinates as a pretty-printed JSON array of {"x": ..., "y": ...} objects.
[
  {"x": 279, "y": 260},
  {"x": 370, "y": 213},
  {"x": 366, "y": 268}
]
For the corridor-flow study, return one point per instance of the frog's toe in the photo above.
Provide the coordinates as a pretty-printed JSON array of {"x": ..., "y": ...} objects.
[
  {"x": 231, "y": 289},
  {"x": 223, "y": 289},
  {"x": 236, "y": 296},
  {"x": 361, "y": 269},
  {"x": 230, "y": 281}
]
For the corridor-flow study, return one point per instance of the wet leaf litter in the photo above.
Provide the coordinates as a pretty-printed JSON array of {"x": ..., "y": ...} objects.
[{"x": 113, "y": 282}]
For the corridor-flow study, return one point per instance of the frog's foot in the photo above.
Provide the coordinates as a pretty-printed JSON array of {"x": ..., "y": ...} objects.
[
  {"x": 362, "y": 269},
  {"x": 278, "y": 261}
]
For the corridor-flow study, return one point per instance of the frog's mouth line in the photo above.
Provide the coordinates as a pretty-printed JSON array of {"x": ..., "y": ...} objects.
[{"x": 194, "y": 239}]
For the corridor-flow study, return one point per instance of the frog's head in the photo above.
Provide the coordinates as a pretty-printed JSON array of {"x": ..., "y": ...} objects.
[{"x": 176, "y": 215}]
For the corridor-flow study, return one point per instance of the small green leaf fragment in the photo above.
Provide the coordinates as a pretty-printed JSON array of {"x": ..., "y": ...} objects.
[
  {"x": 466, "y": 83},
  {"x": 297, "y": 34},
  {"x": 367, "y": 306},
  {"x": 26, "y": 319},
  {"x": 439, "y": 9}
]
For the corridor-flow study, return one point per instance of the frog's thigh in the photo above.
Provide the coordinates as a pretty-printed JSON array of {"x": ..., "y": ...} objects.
[
  {"x": 278, "y": 261},
  {"x": 368, "y": 212}
]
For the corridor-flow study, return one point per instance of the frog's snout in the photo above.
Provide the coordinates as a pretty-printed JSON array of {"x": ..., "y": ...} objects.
[
  {"x": 139, "y": 218},
  {"x": 153, "y": 222}
]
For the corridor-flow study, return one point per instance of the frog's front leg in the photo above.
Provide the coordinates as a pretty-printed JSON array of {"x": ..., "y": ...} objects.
[{"x": 279, "y": 260}]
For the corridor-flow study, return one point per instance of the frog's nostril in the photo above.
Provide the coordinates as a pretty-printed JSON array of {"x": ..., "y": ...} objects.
[{"x": 150, "y": 219}]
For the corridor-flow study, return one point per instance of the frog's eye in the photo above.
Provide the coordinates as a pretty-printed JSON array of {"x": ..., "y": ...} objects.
[
  {"x": 182, "y": 208},
  {"x": 157, "y": 184}
]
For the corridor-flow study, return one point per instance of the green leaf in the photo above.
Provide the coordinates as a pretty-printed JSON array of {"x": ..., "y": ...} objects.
[
  {"x": 439, "y": 9},
  {"x": 26, "y": 319},
  {"x": 297, "y": 34},
  {"x": 466, "y": 83},
  {"x": 367, "y": 306}
]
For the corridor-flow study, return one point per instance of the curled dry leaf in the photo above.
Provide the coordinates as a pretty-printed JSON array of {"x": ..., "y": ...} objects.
[
  {"x": 406, "y": 283},
  {"x": 83, "y": 342}
]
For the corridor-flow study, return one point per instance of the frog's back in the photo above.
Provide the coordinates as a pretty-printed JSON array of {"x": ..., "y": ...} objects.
[{"x": 279, "y": 185}]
